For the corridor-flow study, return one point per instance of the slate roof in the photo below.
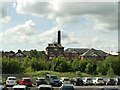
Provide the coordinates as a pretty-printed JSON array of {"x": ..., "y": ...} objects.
[
  {"x": 92, "y": 51},
  {"x": 86, "y": 51},
  {"x": 79, "y": 50}
]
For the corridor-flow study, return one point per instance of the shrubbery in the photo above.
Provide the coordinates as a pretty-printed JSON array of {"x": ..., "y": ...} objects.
[{"x": 109, "y": 66}]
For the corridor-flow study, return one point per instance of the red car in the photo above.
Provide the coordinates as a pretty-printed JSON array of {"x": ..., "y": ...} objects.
[{"x": 26, "y": 81}]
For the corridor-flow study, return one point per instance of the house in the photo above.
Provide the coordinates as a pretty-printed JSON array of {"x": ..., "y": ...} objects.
[
  {"x": 94, "y": 54},
  {"x": 85, "y": 53}
]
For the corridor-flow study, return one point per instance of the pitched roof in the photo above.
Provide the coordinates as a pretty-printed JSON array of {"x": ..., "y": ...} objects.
[
  {"x": 94, "y": 52},
  {"x": 79, "y": 50}
]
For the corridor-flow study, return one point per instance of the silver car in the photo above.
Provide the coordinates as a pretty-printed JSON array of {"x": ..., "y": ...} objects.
[{"x": 45, "y": 87}]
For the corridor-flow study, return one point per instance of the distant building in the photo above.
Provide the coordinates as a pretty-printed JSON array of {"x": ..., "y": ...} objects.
[
  {"x": 55, "y": 49},
  {"x": 85, "y": 53}
]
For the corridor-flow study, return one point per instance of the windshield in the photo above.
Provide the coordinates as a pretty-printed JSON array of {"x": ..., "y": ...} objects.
[
  {"x": 54, "y": 77},
  {"x": 66, "y": 79},
  {"x": 45, "y": 88},
  {"x": 12, "y": 79},
  {"x": 26, "y": 80}
]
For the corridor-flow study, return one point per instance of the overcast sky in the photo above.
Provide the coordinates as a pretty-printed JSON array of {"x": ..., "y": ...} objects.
[{"x": 33, "y": 24}]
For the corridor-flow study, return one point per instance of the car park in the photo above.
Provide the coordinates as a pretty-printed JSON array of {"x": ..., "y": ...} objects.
[
  {"x": 53, "y": 80},
  {"x": 45, "y": 87},
  {"x": 67, "y": 87},
  {"x": 109, "y": 81},
  {"x": 87, "y": 81},
  {"x": 26, "y": 81},
  {"x": 98, "y": 81},
  {"x": 20, "y": 87},
  {"x": 11, "y": 81},
  {"x": 40, "y": 80},
  {"x": 77, "y": 81},
  {"x": 65, "y": 80}
]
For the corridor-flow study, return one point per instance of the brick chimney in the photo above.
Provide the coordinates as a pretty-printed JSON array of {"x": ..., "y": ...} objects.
[{"x": 59, "y": 37}]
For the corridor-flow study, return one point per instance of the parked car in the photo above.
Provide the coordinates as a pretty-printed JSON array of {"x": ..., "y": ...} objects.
[
  {"x": 117, "y": 80},
  {"x": 11, "y": 81},
  {"x": 2, "y": 87},
  {"x": 53, "y": 80},
  {"x": 87, "y": 81},
  {"x": 109, "y": 81},
  {"x": 65, "y": 80},
  {"x": 26, "y": 81},
  {"x": 45, "y": 87},
  {"x": 20, "y": 87},
  {"x": 40, "y": 80},
  {"x": 98, "y": 81},
  {"x": 109, "y": 88},
  {"x": 77, "y": 81},
  {"x": 67, "y": 87}
]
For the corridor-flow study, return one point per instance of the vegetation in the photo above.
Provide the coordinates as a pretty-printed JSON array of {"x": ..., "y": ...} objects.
[{"x": 34, "y": 64}]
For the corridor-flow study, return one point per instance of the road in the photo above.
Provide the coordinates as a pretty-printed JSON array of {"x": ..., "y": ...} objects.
[{"x": 77, "y": 87}]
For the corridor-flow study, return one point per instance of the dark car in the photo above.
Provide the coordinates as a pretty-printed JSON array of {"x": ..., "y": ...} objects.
[
  {"x": 77, "y": 81},
  {"x": 109, "y": 81},
  {"x": 53, "y": 80},
  {"x": 40, "y": 80}
]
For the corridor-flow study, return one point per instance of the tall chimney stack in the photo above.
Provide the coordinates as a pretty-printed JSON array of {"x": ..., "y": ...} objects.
[{"x": 59, "y": 37}]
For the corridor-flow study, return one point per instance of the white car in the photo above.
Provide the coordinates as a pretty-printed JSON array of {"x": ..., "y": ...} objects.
[
  {"x": 67, "y": 87},
  {"x": 98, "y": 81},
  {"x": 45, "y": 87},
  {"x": 11, "y": 81},
  {"x": 20, "y": 87},
  {"x": 65, "y": 80},
  {"x": 87, "y": 81}
]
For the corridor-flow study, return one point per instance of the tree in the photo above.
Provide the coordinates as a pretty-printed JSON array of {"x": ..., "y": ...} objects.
[{"x": 89, "y": 68}]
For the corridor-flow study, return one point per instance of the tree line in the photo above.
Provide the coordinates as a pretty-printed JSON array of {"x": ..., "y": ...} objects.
[{"x": 109, "y": 66}]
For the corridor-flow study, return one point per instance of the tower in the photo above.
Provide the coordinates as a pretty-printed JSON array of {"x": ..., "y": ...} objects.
[
  {"x": 55, "y": 49},
  {"x": 59, "y": 37}
]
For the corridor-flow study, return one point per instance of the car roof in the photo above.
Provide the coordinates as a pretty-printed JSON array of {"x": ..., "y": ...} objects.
[
  {"x": 19, "y": 86},
  {"x": 40, "y": 77},
  {"x": 11, "y": 77},
  {"x": 25, "y": 78},
  {"x": 49, "y": 86}
]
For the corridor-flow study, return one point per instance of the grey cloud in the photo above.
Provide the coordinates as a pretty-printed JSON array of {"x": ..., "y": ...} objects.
[{"x": 4, "y": 18}]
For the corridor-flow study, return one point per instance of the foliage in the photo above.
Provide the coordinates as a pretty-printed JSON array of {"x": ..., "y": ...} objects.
[{"x": 35, "y": 63}]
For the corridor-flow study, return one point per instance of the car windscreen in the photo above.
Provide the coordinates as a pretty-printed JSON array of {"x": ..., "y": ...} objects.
[
  {"x": 26, "y": 80},
  {"x": 44, "y": 88},
  {"x": 12, "y": 79},
  {"x": 54, "y": 77},
  {"x": 66, "y": 79},
  {"x": 41, "y": 79}
]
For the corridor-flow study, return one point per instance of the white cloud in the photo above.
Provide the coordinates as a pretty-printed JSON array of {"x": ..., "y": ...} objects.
[
  {"x": 104, "y": 14},
  {"x": 25, "y": 34},
  {"x": 3, "y": 13},
  {"x": 32, "y": 7}
]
